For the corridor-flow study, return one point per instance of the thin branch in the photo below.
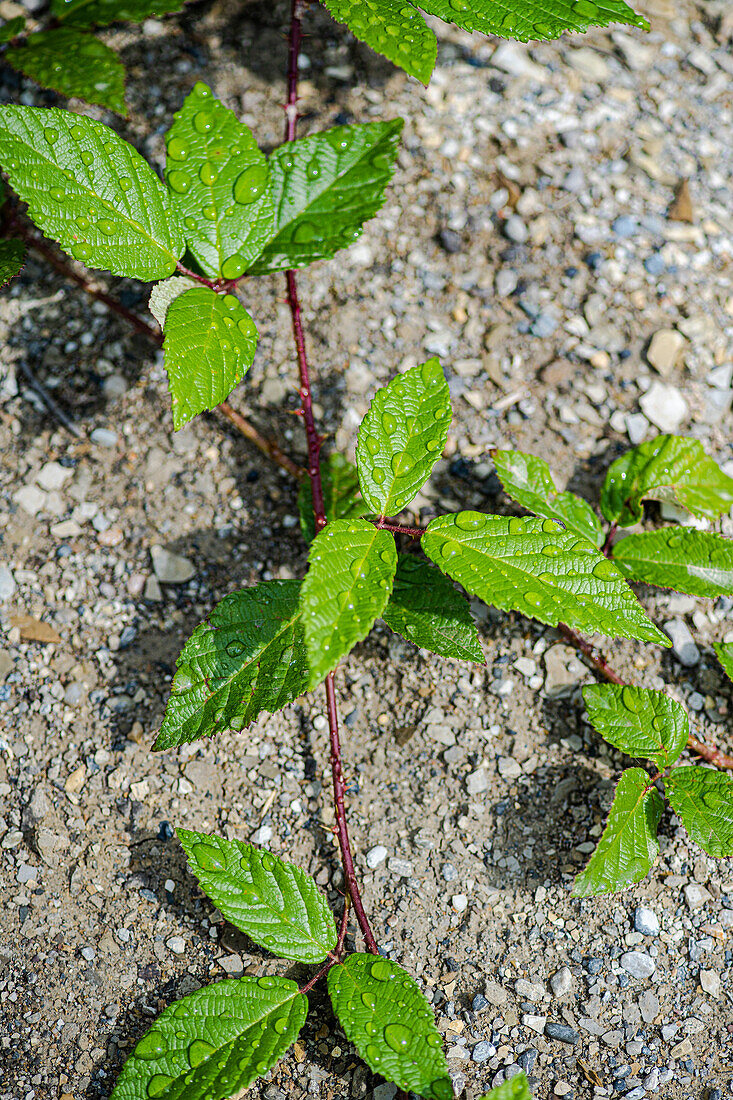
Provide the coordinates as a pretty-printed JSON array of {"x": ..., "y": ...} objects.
[{"x": 398, "y": 528}]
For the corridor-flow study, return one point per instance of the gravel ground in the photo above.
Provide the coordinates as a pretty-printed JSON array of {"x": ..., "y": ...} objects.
[{"x": 532, "y": 241}]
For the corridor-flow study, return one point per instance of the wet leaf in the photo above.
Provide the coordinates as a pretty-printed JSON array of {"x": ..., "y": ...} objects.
[
  {"x": 341, "y": 496},
  {"x": 638, "y": 721},
  {"x": 11, "y": 28},
  {"x": 426, "y": 609},
  {"x": 88, "y": 13},
  {"x": 697, "y": 562},
  {"x": 74, "y": 64},
  {"x": 724, "y": 653},
  {"x": 703, "y": 801},
  {"x": 12, "y": 258},
  {"x": 528, "y": 480}
]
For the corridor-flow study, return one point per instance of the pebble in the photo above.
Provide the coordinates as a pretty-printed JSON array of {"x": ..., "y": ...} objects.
[
  {"x": 483, "y": 1051},
  {"x": 171, "y": 568},
  {"x": 31, "y": 499},
  {"x": 637, "y": 426},
  {"x": 52, "y": 476},
  {"x": 648, "y": 1006},
  {"x": 665, "y": 349},
  {"x": 561, "y": 982},
  {"x": 7, "y": 583},
  {"x": 664, "y": 406},
  {"x": 574, "y": 181},
  {"x": 477, "y": 781},
  {"x": 529, "y": 991},
  {"x": 104, "y": 437},
  {"x": 375, "y": 856},
  {"x": 624, "y": 226},
  {"x": 515, "y": 229},
  {"x": 176, "y": 944},
  {"x": 232, "y": 965},
  {"x": 495, "y": 994},
  {"x": 646, "y": 921},
  {"x": 710, "y": 982},
  {"x": 563, "y": 671},
  {"x": 260, "y": 836},
  {"x": 508, "y": 768},
  {"x": 683, "y": 644},
  {"x": 88, "y": 953},
  {"x": 638, "y": 964},
  {"x": 449, "y": 872},
  {"x": 402, "y": 868},
  {"x": 563, "y": 1033},
  {"x": 459, "y": 902},
  {"x": 506, "y": 282}
]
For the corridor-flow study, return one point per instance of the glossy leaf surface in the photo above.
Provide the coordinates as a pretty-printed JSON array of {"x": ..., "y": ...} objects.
[
  {"x": 12, "y": 258},
  {"x": 724, "y": 653},
  {"x": 11, "y": 28},
  {"x": 528, "y": 480},
  {"x": 628, "y": 847},
  {"x": 638, "y": 721},
  {"x": 426, "y": 609},
  {"x": 341, "y": 496},
  {"x": 533, "y": 566},
  {"x": 324, "y": 188},
  {"x": 74, "y": 64},
  {"x": 248, "y": 657},
  {"x": 215, "y": 1042},
  {"x": 402, "y": 436},
  {"x": 703, "y": 801},
  {"x": 210, "y": 342},
  {"x": 90, "y": 191},
  {"x": 88, "y": 13},
  {"x": 386, "y": 1017},
  {"x": 516, "y": 1088},
  {"x": 275, "y": 903},
  {"x": 394, "y": 29},
  {"x": 697, "y": 562}
]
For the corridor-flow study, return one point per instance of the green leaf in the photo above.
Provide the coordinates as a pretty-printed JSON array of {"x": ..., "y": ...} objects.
[
  {"x": 217, "y": 178},
  {"x": 74, "y": 64},
  {"x": 275, "y": 903},
  {"x": 163, "y": 294},
  {"x": 10, "y": 29},
  {"x": 697, "y": 562},
  {"x": 516, "y": 1088},
  {"x": 90, "y": 191},
  {"x": 341, "y": 497},
  {"x": 12, "y": 258},
  {"x": 670, "y": 469},
  {"x": 628, "y": 846},
  {"x": 215, "y": 1042},
  {"x": 639, "y": 721},
  {"x": 703, "y": 801},
  {"x": 394, "y": 29},
  {"x": 386, "y": 1017},
  {"x": 88, "y": 13},
  {"x": 346, "y": 588},
  {"x": 724, "y": 653},
  {"x": 402, "y": 436},
  {"x": 528, "y": 480},
  {"x": 248, "y": 657},
  {"x": 210, "y": 342},
  {"x": 533, "y": 566},
  {"x": 426, "y": 609},
  {"x": 324, "y": 188}
]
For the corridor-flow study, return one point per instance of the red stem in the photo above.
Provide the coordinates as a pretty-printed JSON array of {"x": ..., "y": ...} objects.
[
  {"x": 335, "y": 956},
  {"x": 399, "y": 528}
]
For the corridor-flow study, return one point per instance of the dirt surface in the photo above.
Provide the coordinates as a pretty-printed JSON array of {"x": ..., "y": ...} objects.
[{"x": 527, "y": 240}]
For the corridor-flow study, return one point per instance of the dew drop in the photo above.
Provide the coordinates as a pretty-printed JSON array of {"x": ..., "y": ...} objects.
[
  {"x": 629, "y": 700},
  {"x": 368, "y": 1000},
  {"x": 209, "y": 212},
  {"x": 378, "y": 476},
  {"x": 158, "y": 1083},
  {"x": 442, "y": 1089},
  {"x": 178, "y": 181},
  {"x": 585, "y": 9},
  {"x": 51, "y": 135},
  {"x": 177, "y": 149},
  {"x": 268, "y": 862},
  {"x": 235, "y": 648},
  {"x": 57, "y": 194},
  {"x": 237, "y": 723},
  {"x": 398, "y": 1037},
  {"x": 714, "y": 800},
  {"x": 534, "y": 599},
  {"x": 305, "y": 231},
  {"x": 339, "y": 139},
  {"x": 233, "y": 267},
  {"x": 313, "y": 169},
  {"x": 281, "y": 1025},
  {"x": 389, "y": 423},
  {"x": 371, "y": 1028},
  {"x": 106, "y": 226},
  {"x": 82, "y": 222},
  {"x": 250, "y": 184},
  {"x": 266, "y": 983},
  {"x": 433, "y": 1040},
  {"x": 515, "y": 526},
  {"x": 208, "y": 173},
  {"x": 551, "y": 550},
  {"x": 125, "y": 183},
  {"x": 208, "y": 857},
  {"x": 657, "y": 724},
  {"x": 372, "y": 1054},
  {"x": 87, "y": 157},
  {"x": 543, "y": 30},
  {"x": 247, "y": 327},
  {"x": 198, "y": 1052},
  {"x": 371, "y": 444},
  {"x": 81, "y": 251},
  {"x": 77, "y": 132},
  {"x": 605, "y": 570},
  {"x": 469, "y": 521},
  {"x": 381, "y": 970},
  {"x": 190, "y": 223},
  {"x": 153, "y": 1045},
  {"x": 400, "y": 462},
  {"x": 202, "y": 122}
]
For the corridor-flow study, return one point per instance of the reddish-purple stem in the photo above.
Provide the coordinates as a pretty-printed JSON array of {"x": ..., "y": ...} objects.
[
  {"x": 399, "y": 528},
  {"x": 335, "y": 955}
]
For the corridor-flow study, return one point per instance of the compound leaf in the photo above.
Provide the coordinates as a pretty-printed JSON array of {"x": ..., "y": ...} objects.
[
  {"x": 535, "y": 567},
  {"x": 697, "y": 562},
  {"x": 394, "y": 29},
  {"x": 88, "y": 13},
  {"x": 217, "y": 178},
  {"x": 671, "y": 469},
  {"x": 346, "y": 588},
  {"x": 703, "y": 801},
  {"x": 341, "y": 497},
  {"x": 12, "y": 258},
  {"x": 724, "y": 653},
  {"x": 324, "y": 187},
  {"x": 275, "y": 903},
  {"x": 426, "y": 609},
  {"x": 638, "y": 721},
  {"x": 74, "y": 64},
  {"x": 11, "y": 28},
  {"x": 402, "y": 437},
  {"x": 210, "y": 342},
  {"x": 516, "y": 1088},
  {"x": 90, "y": 191},
  {"x": 248, "y": 657},
  {"x": 215, "y": 1042},
  {"x": 628, "y": 847},
  {"x": 528, "y": 480},
  {"x": 386, "y": 1017}
]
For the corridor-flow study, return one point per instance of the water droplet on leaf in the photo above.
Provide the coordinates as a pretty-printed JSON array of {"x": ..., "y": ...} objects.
[
  {"x": 381, "y": 970},
  {"x": 250, "y": 184},
  {"x": 398, "y": 1037},
  {"x": 198, "y": 1052},
  {"x": 158, "y": 1083},
  {"x": 208, "y": 857},
  {"x": 153, "y": 1045},
  {"x": 178, "y": 181}
]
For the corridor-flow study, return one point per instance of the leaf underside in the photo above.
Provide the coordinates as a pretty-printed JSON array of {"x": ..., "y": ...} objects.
[
  {"x": 697, "y": 562},
  {"x": 164, "y": 292},
  {"x": 527, "y": 479},
  {"x": 12, "y": 258},
  {"x": 341, "y": 496},
  {"x": 703, "y": 801},
  {"x": 638, "y": 721},
  {"x": 426, "y": 610},
  {"x": 248, "y": 657},
  {"x": 88, "y": 13},
  {"x": 74, "y": 64},
  {"x": 628, "y": 847},
  {"x": 275, "y": 903},
  {"x": 532, "y": 566}
]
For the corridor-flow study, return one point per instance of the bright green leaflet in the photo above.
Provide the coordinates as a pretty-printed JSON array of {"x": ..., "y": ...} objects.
[
  {"x": 628, "y": 847},
  {"x": 215, "y": 1042},
  {"x": 324, "y": 188},
  {"x": 12, "y": 258},
  {"x": 275, "y": 903},
  {"x": 724, "y": 653},
  {"x": 341, "y": 497},
  {"x": 210, "y": 342},
  {"x": 516, "y": 1088},
  {"x": 638, "y": 721},
  {"x": 532, "y": 566},
  {"x": 669, "y": 469},
  {"x": 402, "y": 436},
  {"x": 386, "y": 1017},
  {"x": 11, "y": 28},
  {"x": 74, "y": 64},
  {"x": 426, "y": 609},
  {"x": 393, "y": 28},
  {"x": 703, "y": 801},
  {"x": 528, "y": 480},
  {"x": 88, "y": 13},
  {"x": 164, "y": 292},
  {"x": 218, "y": 182},
  {"x": 697, "y": 562},
  {"x": 89, "y": 190},
  {"x": 346, "y": 588},
  {"x": 248, "y": 657}
]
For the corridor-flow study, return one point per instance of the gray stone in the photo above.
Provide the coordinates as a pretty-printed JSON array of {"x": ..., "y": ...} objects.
[
  {"x": 529, "y": 991},
  {"x": 683, "y": 644},
  {"x": 665, "y": 350},
  {"x": 638, "y": 964},
  {"x": 574, "y": 181},
  {"x": 495, "y": 994},
  {"x": 232, "y": 965},
  {"x": 648, "y": 1006},
  {"x": 402, "y": 868},
  {"x": 31, "y": 499},
  {"x": 104, "y": 437},
  {"x": 375, "y": 856},
  {"x": 563, "y": 671},
  {"x": 515, "y": 229},
  {"x": 176, "y": 944},
  {"x": 645, "y": 921},
  {"x": 508, "y": 768},
  {"x": 53, "y": 476},
  {"x": 562, "y": 1033},
  {"x": 710, "y": 982},
  {"x": 483, "y": 1051},
  {"x": 696, "y": 896},
  {"x": 152, "y": 591},
  {"x": 506, "y": 282},
  {"x": 6, "y": 664},
  {"x": 477, "y": 781},
  {"x": 449, "y": 872},
  {"x": 7, "y": 583},
  {"x": 664, "y": 406},
  {"x": 637, "y": 426},
  {"x": 561, "y": 982},
  {"x": 171, "y": 568}
]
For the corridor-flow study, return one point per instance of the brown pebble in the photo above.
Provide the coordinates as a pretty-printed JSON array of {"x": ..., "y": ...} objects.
[{"x": 680, "y": 209}]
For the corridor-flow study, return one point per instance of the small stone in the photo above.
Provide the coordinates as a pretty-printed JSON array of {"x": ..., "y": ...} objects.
[
  {"x": 645, "y": 921},
  {"x": 495, "y": 994},
  {"x": 506, "y": 282},
  {"x": 104, "y": 437},
  {"x": 681, "y": 208},
  {"x": 385, "y": 1092},
  {"x": 529, "y": 991},
  {"x": 563, "y": 671},
  {"x": 648, "y": 1006},
  {"x": 624, "y": 226},
  {"x": 375, "y": 856},
  {"x": 508, "y": 768},
  {"x": 88, "y": 953},
  {"x": 479, "y": 1003},
  {"x": 171, "y": 568},
  {"x": 638, "y": 964},
  {"x": 6, "y": 664},
  {"x": 477, "y": 781},
  {"x": 75, "y": 781},
  {"x": 683, "y": 644},
  {"x": 402, "y": 868},
  {"x": 263, "y": 835},
  {"x": 74, "y": 694},
  {"x": 574, "y": 181},
  {"x": 665, "y": 349},
  {"x": 176, "y": 944},
  {"x": 682, "y": 1050},
  {"x": 544, "y": 325},
  {"x": 515, "y": 229},
  {"x": 664, "y": 406},
  {"x": 562, "y": 1088},
  {"x": 232, "y": 965},
  {"x": 561, "y": 982},
  {"x": 526, "y": 666},
  {"x": 655, "y": 264},
  {"x": 449, "y": 872},
  {"x": 114, "y": 386},
  {"x": 26, "y": 873},
  {"x": 483, "y": 1051},
  {"x": 696, "y": 896},
  {"x": 563, "y": 1033},
  {"x": 152, "y": 590},
  {"x": 534, "y": 1023},
  {"x": 710, "y": 982},
  {"x": 31, "y": 499},
  {"x": 450, "y": 241},
  {"x": 7, "y": 583},
  {"x": 459, "y": 902},
  {"x": 52, "y": 476}
]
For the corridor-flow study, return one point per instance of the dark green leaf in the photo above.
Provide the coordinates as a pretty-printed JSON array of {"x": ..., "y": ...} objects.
[
  {"x": 703, "y": 801},
  {"x": 697, "y": 562},
  {"x": 210, "y": 342},
  {"x": 402, "y": 437},
  {"x": 12, "y": 258},
  {"x": 218, "y": 182},
  {"x": 74, "y": 64},
  {"x": 324, "y": 188},
  {"x": 392, "y": 28},
  {"x": 341, "y": 497},
  {"x": 346, "y": 588},
  {"x": 9, "y": 30},
  {"x": 669, "y": 469},
  {"x": 516, "y": 1088},
  {"x": 639, "y": 721},
  {"x": 248, "y": 657},
  {"x": 90, "y": 191},
  {"x": 426, "y": 609},
  {"x": 628, "y": 846},
  {"x": 533, "y": 566},
  {"x": 88, "y": 13},
  {"x": 528, "y": 480},
  {"x": 215, "y": 1042},
  {"x": 387, "y": 1018},
  {"x": 275, "y": 903},
  {"x": 724, "y": 653}
]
